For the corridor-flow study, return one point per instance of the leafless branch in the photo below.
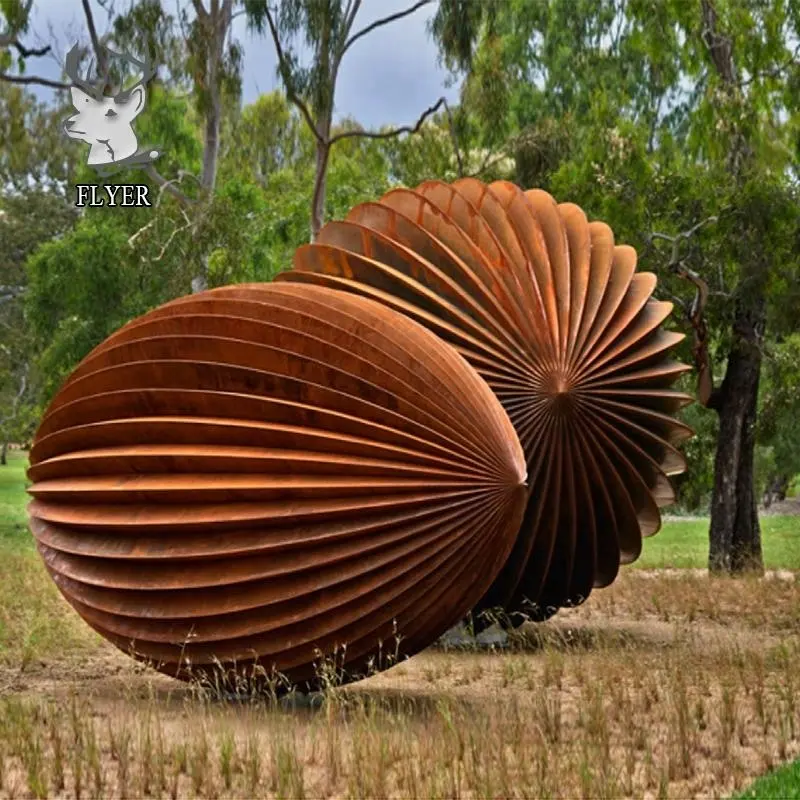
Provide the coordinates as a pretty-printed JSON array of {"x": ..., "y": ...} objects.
[
  {"x": 283, "y": 67},
  {"x": 680, "y": 302},
  {"x": 164, "y": 188},
  {"x": 199, "y": 9},
  {"x": 392, "y": 132},
  {"x": 707, "y": 395},
  {"x": 383, "y": 21},
  {"x": 681, "y": 237},
  {"x": 133, "y": 237},
  {"x": 27, "y": 80},
  {"x": 99, "y": 53},
  {"x": 23, "y": 386},
  {"x": 166, "y": 244},
  {"x": 350, "y": 11},
  {"x": 169, "y": 185},
  {"x": 488, "y": 162},
  {"x": 8, "y": 40}
]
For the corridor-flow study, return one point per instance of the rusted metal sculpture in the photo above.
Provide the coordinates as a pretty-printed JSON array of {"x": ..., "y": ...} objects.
[
  {"x": 555, "y": 317},
  {"x": 264, "y": 474}
]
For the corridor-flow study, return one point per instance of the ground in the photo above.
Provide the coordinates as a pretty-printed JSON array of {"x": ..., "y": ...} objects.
[{"x": 667, "y": 684}]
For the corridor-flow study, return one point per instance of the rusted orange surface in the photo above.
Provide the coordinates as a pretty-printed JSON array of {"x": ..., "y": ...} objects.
[
  {"x": 553, "y": 314},
  {"x": 265, "y": 473}
]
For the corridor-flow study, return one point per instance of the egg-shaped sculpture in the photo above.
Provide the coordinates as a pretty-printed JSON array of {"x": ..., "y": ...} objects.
[
  {"x": 553, "y": 314},
  {"x": 265, "y": 480}
]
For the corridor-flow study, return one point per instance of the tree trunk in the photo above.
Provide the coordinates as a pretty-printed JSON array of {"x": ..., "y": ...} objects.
[
  {"x": 211, "y": 146},
  {"x": 320, "y": 181},
  {"x": 4, "y": 454},
  {"x": 735, "y": 533},
  {"x": 217, "y": 22}
]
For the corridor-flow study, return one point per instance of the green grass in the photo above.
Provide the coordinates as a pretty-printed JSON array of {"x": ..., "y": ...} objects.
[
  {"x": 34, "y": 621},
  {"x": 684, "y": 544},
  {"x": 14, "y": 501},
  {"x": 679, "y": 544},
  {"x": 783, "y": 784}
]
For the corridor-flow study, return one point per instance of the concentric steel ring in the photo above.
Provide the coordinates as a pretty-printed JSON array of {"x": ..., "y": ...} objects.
[
  {"x": 268, "y": 474},
  {"x": 552, "y": 313}
]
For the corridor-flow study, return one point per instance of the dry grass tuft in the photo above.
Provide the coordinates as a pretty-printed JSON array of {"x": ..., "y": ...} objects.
[{"x": 668, "y": 685}]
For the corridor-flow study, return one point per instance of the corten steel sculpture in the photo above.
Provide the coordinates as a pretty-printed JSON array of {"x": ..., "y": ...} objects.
[
  {"x": 264, "y": 473},
  {"x": 555, "y": 317}
]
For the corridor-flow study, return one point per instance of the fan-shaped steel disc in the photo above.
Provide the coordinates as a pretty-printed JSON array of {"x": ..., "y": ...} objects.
[
  {"x": 555, "y": 317},
  {"x": 265, "y": 473}
]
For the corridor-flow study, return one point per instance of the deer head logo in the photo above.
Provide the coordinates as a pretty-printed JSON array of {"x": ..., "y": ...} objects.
[{"x": 105, "y": 121}]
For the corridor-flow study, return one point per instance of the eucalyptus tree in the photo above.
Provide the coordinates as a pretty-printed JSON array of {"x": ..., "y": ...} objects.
[
  {"x": 327, "y": 28},
  {"x": 676, "y": 122}
]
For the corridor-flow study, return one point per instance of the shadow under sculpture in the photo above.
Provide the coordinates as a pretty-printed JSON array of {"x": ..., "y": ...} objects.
[
  {"x": 553, "y": 314},
  {"x": 268, "y": 480}
]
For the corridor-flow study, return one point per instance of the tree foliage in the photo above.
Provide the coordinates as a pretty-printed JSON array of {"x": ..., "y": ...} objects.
[{"x": 676, "y": 122}]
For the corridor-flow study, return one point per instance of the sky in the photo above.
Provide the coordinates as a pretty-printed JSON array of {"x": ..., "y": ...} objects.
[{"x": 389, "y": 77}]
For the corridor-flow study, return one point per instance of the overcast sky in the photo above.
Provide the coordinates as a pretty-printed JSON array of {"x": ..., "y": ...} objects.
[{"x": 389, "y": 76}]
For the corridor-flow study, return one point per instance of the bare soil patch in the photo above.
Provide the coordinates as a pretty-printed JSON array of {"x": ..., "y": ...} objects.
[{"x": 666, "y": 684}]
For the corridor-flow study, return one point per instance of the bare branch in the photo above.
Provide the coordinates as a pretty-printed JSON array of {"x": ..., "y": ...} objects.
[
  {"x": 199, "y": 9},
  {"x": 394, "y": 131},
  {"x": 488, "y": 162},
  {"x": 27, "y": 80},
  {"x": 28, "y": 52},
  {"x": 349, "y": 18},
  {"x": 680, "y": 302},
  {"x": 707, "y": 395},
  {"x": 381, "y": 22},
  {"x": 678, "y": 238},
  {"x": 166, "y": 244},
  {"x": 25, "y": 52},
  {"x": 133, "y": 237},
  {"x": 283, "y": 67},
  {"x": 23, "y": 386},
  {"x": 99, "y": 53},
  {"x": 169, "y": 185},
  {"x": 10, "y": 39},
  {"x": 164, "y": 188}
]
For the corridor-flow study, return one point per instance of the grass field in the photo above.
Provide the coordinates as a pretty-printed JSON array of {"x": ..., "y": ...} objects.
[
  {"x": 13, "y": 500},
  {"x": 669, "y": 683},
  {"x": 680, "y": 544},
  {"x": 684, "y": 544},
  {"x": 783, "y": 784}
]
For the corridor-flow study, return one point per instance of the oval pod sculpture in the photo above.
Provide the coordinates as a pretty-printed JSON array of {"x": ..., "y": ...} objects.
[
  {"x": 555, "y": 317},
  {"x": 266, "y": 475}
]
